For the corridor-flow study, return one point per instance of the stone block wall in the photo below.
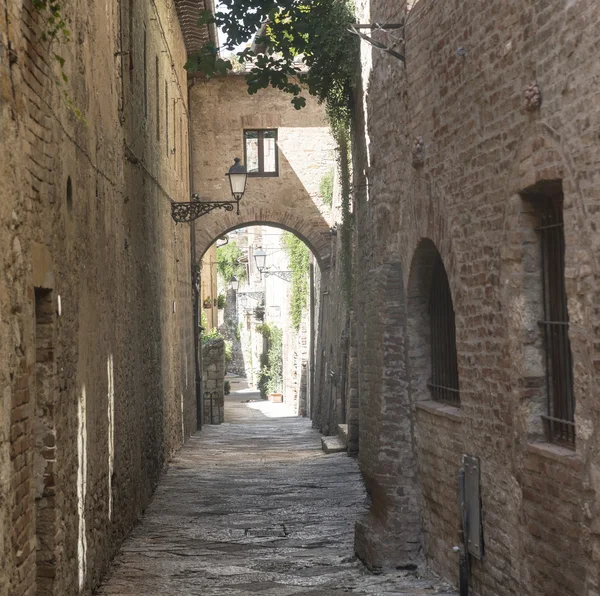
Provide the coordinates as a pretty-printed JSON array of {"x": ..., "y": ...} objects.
[
  {"x": 453, "y": 142},
  {"x": 96, "y": 338},
  {"x": 213, "y": 377}
]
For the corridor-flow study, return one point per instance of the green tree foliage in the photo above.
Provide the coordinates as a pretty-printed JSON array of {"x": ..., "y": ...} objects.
[
  {"x": 275, "y": 360},
  {"x": 227, "y": 262},
  {"x": 299, "y": 258},
  {"x": 314, "y": 33}
]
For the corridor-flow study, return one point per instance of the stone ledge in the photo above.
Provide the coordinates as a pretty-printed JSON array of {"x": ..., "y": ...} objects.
[
  {"x": 439, "y": 409},
  {"x": 562, "y": 455},
  {"x": 332, "y": 444}
]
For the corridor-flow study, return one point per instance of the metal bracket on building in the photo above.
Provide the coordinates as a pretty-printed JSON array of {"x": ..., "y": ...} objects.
[
  {"x": 285, "y": 275},
  {"x": 259, "y": 296},
  {"x": 186, "y": 212},
  {"x": 354, "y": 29}
]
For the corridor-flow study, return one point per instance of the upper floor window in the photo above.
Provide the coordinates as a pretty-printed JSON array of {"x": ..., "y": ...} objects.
[
  {"x": 547, "y": 200},
  {"x": 260, "y": 152},
  {"x": 444, "y": 367}
]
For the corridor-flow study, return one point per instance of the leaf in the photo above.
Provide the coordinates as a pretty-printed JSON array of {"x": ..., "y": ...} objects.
[
  {"x": 206, "y": 18},
  {"x": 60, "y": 60},
  {"x": 299, "y": 102}
]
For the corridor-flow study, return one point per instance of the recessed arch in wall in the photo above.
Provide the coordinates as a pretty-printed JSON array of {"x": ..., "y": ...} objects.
[{"x": 428, "y": 292}]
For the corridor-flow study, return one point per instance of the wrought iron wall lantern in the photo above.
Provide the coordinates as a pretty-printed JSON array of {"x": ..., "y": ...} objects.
[
  {"x": 260, "y": 258},
  {"x": 186, "y": 212}
]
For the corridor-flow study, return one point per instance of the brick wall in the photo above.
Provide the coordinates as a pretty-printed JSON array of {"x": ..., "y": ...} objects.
[
  {"x": 462, "y": 91},
  {"x": 87, "y": 216}
]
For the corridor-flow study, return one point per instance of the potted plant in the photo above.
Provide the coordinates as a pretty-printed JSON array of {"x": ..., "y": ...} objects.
[{"x": 207, "y": 303}]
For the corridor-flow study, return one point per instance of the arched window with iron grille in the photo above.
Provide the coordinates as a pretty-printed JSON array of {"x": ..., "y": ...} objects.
[
  {"x": 444, "y": 368},
  {"x": 546, "y": 199}
]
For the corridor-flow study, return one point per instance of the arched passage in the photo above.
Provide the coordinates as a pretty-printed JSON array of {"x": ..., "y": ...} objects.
[
  {"x": 313, "y": 231},
  {"x": 276, "y": 292}
]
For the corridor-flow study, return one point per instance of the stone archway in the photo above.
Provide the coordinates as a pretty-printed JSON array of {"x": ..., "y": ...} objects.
[{"x": 313, "y": 231}]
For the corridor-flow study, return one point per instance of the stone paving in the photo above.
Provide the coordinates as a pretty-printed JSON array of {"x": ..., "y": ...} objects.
[{"x": 253, "y": 506}]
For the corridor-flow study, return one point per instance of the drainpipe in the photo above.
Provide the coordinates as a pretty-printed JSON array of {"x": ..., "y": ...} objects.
[
  {"x": 195, "y": 280},
  {"x": 311, "y": 343}
]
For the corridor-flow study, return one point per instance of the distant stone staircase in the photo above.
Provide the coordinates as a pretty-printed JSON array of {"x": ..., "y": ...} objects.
[{"x": 336, "y": 443}]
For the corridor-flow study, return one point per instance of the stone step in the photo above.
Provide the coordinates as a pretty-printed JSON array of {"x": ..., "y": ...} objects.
[
  {"x": 343, "y": 433},
  {"x": 332, "y": 444}
]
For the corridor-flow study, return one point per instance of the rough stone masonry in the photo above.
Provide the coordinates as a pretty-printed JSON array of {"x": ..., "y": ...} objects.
[
  {"x": 494, "y": 108},
  {"x": 96, "y": 339}
]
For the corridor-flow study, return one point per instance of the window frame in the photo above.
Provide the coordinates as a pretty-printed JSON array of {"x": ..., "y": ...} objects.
[
  {"x": 555, "y": 397},
  {"x": 261, "y": 156},
  {"x": 560, "y": 390}
]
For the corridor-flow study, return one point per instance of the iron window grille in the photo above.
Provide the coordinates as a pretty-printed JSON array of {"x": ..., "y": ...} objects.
[
  {"x": 560, "y": 421},
  {"x": 261, "y": 154},
  {"x": 444, "y": 367}
]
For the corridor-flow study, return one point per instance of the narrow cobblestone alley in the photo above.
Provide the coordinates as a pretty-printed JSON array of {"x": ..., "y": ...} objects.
[{"x": 254, "y": 506}]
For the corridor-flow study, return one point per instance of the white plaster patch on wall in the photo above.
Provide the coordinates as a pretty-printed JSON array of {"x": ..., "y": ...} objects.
[
  {"x": 111, "y": 430},
  {"x": 81, "y": 484}
]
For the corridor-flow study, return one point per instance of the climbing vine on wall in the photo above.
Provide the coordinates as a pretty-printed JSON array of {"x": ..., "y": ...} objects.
[
  {"x": 55, "y": 24},
  {"x": 271, "y": 373},
  {"x": 55, "y": 29},
  {"x": 342, "y": 137},
  {"x": 326, "y": 188},
  {"x": 299, "y": 258}
]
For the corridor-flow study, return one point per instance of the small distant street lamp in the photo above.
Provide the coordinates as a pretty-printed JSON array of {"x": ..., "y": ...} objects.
[
  {"x": 235, "y": 284},
  {"x": 185, "y": 212},
  {"x": 260, "y": 258}
]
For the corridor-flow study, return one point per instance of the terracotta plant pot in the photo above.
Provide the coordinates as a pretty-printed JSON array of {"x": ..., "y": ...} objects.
[{"x": 276, "y": 398}]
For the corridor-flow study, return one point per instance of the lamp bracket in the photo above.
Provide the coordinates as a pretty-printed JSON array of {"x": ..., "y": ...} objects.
[
  {"x": 253, "y": 295},
  {"x": 186, "y": 212},
  {"x": 354, "y": 29},
  {"x": 285, "y": 275}
]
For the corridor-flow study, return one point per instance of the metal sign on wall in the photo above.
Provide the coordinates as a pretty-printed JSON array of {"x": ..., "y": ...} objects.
[{"x": 473, "y": 505}]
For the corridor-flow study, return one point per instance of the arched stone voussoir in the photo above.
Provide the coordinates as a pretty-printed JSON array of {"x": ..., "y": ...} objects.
[{"x": 314, "y": 231}]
